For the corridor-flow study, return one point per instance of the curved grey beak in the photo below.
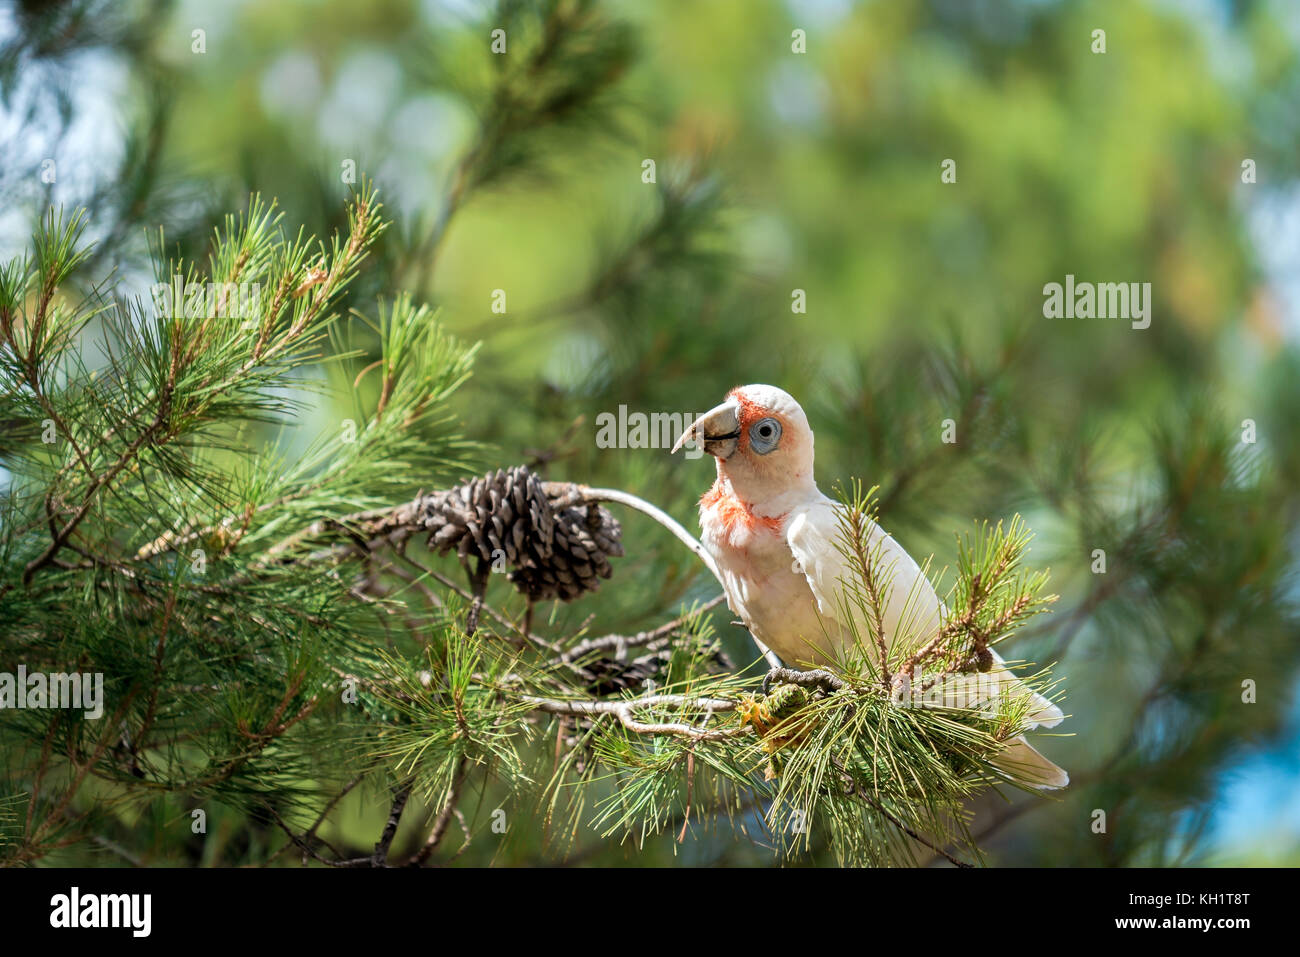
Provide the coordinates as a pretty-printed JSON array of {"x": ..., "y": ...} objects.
[{"x": 718, "y": 430}]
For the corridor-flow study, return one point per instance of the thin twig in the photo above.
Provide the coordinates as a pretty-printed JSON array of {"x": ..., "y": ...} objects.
[
  {"x": 400, "y": 797},
  {"x": 625, "y": 712},
  {"x": 444, "y": 816},
  {"x": 858, "y": 792},
  {"x": 640, "y": 638},
  {"x": 595, "y": 495}
]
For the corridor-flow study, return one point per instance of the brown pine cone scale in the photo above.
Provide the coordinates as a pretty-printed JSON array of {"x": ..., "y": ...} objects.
[{"x": 511, "y": 519}]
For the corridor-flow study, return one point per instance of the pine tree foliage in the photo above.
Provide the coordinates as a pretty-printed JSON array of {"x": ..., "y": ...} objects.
[
  {"x": 140, "y": 505},
  {"x": 159, "y": 535},
  {"x": 141, "y": 501}
]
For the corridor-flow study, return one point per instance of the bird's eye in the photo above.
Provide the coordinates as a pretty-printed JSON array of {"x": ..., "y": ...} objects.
[{"x": 764, "y": 435}]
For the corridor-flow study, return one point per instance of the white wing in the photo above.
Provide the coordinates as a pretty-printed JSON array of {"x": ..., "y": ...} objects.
[{"x": 913, "y": 610}]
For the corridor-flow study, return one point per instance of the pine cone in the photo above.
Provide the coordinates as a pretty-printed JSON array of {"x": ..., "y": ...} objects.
[
  {"x": 502, "y": 516},
  {"x": 508, "y": 517},
  {"x": 585, "y": 538},
  {"x": 609, "y": 675}
]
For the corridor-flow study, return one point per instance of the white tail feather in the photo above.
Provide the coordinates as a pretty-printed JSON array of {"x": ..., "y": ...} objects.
[{"x": 1022, "y": 762}]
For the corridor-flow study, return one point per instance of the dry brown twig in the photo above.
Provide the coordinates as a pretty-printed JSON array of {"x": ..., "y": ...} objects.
[{"x": 625, "y": 711}]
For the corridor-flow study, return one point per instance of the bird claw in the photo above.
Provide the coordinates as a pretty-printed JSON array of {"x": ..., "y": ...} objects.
[
  {"x": 818, "y": 678},
  {"x": 766, "y": 686}
]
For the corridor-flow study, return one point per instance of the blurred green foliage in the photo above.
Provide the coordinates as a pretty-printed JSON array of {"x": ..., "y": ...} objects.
[{"x": 821, "y": 172}]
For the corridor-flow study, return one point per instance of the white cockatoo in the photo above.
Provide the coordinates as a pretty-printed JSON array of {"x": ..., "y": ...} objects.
[{"x": 772, "y": 536}]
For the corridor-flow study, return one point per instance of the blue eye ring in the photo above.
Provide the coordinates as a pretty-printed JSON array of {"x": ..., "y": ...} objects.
[{"x": 764, "y": 435}]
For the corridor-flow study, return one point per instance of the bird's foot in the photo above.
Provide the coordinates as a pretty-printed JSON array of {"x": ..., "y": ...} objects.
[{"x": 818, "y": 678}]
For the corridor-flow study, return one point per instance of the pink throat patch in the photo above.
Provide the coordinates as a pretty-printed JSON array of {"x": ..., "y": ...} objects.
[{"x": 736, "y": 516}]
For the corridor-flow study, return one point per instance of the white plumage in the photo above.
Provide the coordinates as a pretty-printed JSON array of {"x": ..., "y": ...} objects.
[{"x": 772, "y": 535}]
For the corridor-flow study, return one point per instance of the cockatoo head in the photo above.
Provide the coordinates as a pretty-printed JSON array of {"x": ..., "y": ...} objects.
[{"x": 761, "y": 440}]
